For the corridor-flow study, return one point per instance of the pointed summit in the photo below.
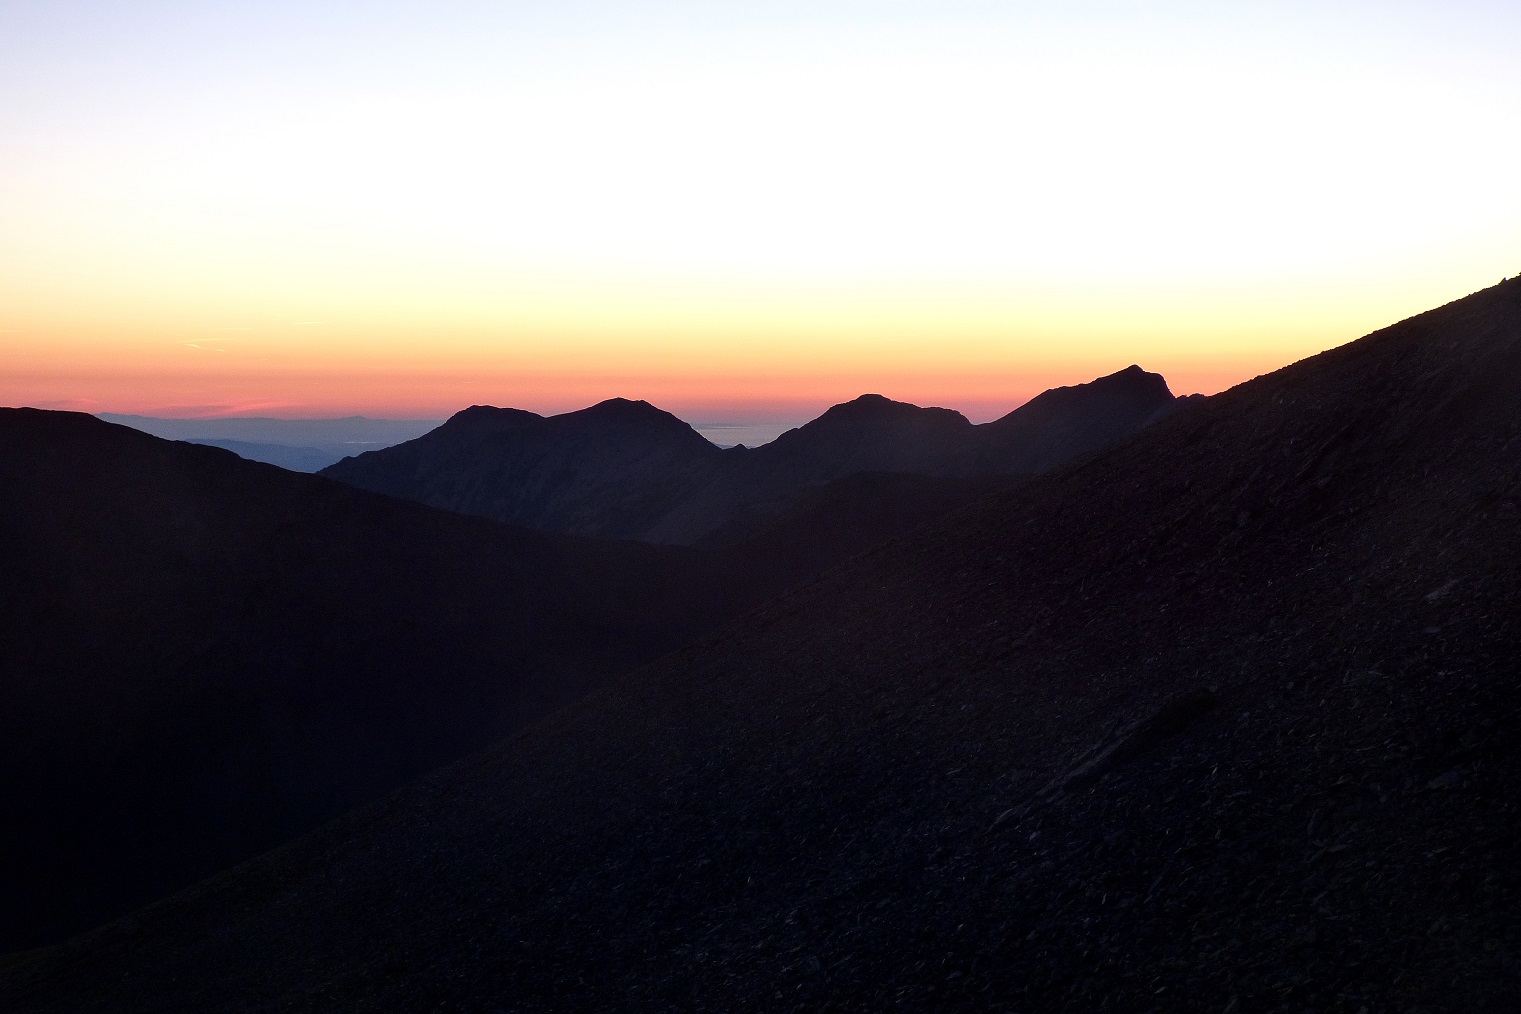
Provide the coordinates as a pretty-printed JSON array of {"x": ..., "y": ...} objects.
[
  {"x": 1064, "y": 422},
  {"x": 1132, "y": 384}
]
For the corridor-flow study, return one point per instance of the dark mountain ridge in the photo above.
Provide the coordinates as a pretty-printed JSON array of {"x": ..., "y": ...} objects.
[
  {"x": 1064, "y": 422},
  {"x": 627, "y": 470},
  {"x": 610, "y": 470},
  {"x": 203, "y": 656},
  {"x": 1222, "y": 718}
]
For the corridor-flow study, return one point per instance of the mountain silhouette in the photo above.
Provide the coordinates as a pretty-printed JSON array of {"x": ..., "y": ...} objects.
[
  {"x": 610, "y": 470},
  {"x": 873, "y": 433},
  {"x": 1064, "y": 422},
  {"x": 625, "y": 469},
  {"x": 207, "y": 656},
  {"x": 1223, "y": 717}
]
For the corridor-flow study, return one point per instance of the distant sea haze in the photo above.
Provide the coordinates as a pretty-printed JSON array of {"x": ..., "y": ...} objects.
[
  {"x": 301, "y": 445},
  {"x": 310, "y": 445}
]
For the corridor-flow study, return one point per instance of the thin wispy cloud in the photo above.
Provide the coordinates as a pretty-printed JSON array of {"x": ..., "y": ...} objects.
[
  {"x": 207, "y": 344},
  {"x": 69, "y": 404},
  {"x": 225, "y": 410}
]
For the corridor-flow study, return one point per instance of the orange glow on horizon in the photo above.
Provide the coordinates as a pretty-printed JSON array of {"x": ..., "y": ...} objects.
[
  {"x": 955, "y": 205},
  {"x": 711, "y": 353}
]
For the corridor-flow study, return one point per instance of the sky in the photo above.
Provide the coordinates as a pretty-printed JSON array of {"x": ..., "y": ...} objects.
[{"x": 741, "y": 212}]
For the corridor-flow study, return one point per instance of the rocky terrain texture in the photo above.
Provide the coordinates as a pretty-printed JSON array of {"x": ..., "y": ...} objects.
[
  {"x": 625, "y": 469},
  {"x": 1223, "y": 718}
]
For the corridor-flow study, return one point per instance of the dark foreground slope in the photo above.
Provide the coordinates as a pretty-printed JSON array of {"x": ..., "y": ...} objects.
[
  {"x": 1225, "y": 718},
  {"x": 202, "y": 656}
]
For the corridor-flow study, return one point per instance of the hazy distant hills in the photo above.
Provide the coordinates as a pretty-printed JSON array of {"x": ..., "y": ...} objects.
[
  {"x": 203, "y": 656},
  {"x": 1223, "y": 718},
  {"x": 300, "y": 445},
  {"x": 287, "y": 456},
  {"x": 625, "y": 469}
]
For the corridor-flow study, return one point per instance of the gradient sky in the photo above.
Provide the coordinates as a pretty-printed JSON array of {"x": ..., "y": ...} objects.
[{"x": 741, "y": 210}]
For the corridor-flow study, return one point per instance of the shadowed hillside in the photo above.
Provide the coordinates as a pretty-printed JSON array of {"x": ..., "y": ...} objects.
[
  {"x": 626, "y": 469},
  {"x": 1225, "y": 718},
  {"x": 203, "y": 656}
]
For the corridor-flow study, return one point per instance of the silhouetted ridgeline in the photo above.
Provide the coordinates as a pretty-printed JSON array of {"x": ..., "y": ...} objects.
[
  {"x": 625, "y": 469},
  {"x": 203, "y": 656},
  {"x": 1223, "y": 718}
]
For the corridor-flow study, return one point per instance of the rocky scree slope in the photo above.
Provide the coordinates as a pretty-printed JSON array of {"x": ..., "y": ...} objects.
[{"x": 1224, "y": 718}]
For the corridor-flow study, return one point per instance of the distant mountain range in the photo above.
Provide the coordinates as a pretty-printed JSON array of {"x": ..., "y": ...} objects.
[
  {"x": 625, "y": 469},
  {"x": 1223, "y": 717}
]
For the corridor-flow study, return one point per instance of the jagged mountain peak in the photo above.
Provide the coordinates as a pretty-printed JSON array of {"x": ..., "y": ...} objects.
[
  {"x": 625, "y": 468},
  {"x": 1132, "y": 376},
  {"x": 1132, "y": 382},
  {"x": 1125, "y": 393}
]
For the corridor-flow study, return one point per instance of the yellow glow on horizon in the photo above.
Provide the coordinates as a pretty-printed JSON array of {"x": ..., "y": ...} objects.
[
  {"x": 961, "y": 213},
  {"x": 984, "y": 355}
]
